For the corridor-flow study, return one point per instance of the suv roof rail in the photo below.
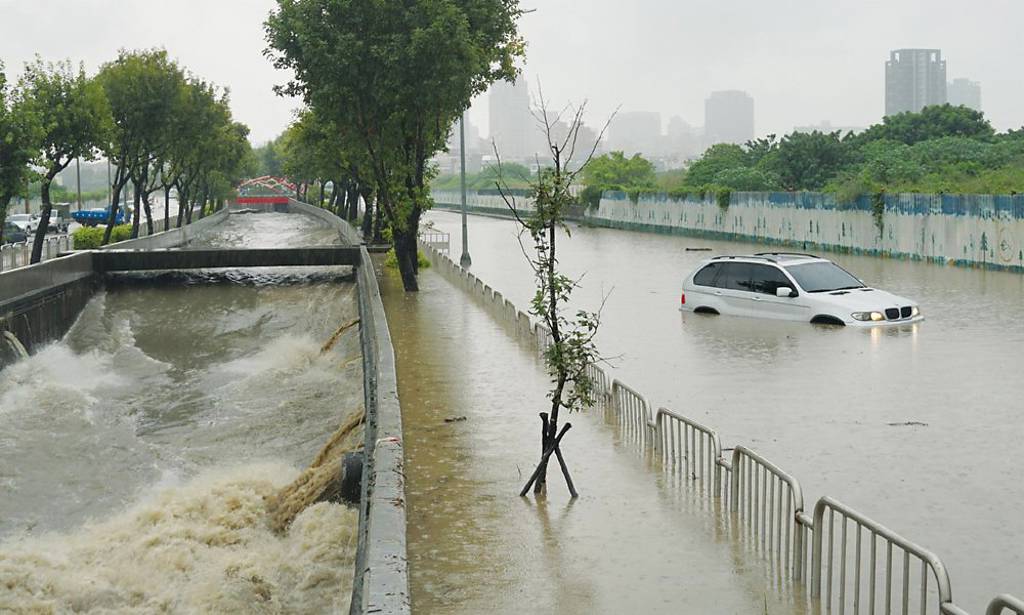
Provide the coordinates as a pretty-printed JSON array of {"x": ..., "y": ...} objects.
[
  {"x": 804, "y": 254},
  {"x": 732, "y": 256}
]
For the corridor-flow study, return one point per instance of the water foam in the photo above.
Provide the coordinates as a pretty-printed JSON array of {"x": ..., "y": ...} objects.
[{"x": 204, "y": 545}]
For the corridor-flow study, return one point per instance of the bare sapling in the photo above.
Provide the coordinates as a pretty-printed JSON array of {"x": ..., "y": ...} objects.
[{"x": 571, "y": 349}]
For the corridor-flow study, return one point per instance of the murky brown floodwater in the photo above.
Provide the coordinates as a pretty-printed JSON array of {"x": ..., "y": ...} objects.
[
  {"x": 629, "y": 544},
  {"x": 829, "y": 406},
  {"x": 136, "y": 453}
]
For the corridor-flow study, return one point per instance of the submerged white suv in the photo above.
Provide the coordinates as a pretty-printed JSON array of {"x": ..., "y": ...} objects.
[{"x": 791, "y": 286}]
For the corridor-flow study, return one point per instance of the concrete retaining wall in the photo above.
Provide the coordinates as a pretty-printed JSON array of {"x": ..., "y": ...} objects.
[
  {"x": 39, "y": 303},
  {"x": 968, "y": 230},
  {"x": 173, "y": 237}
]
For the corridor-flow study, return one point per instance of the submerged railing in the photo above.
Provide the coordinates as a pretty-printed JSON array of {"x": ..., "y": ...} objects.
[{"x": 838, "y": 557}]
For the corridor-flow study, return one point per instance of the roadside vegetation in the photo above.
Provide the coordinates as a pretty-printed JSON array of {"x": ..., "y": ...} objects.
[
  {"x": 91, "y": 237},
  {"x": 941, "y": 150},
  {"x": 161, "y": 128}
]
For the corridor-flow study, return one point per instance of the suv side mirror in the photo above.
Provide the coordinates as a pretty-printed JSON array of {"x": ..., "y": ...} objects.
[{"x": 784, "y": 291}]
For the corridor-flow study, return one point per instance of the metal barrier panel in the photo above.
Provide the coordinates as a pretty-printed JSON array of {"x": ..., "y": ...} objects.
[
  {"x": 768, "y": 501},
  {"x": 866, "y": 564},
  {"x": 632, "y": 410},
  {"x": 1005, "y": 602},
  {"x": 688, "y": 445},
  {"x": 523, "y": 325}
]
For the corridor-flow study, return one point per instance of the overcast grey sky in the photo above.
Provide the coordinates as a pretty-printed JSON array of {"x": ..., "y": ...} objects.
[{"x": 802, "y": 60}]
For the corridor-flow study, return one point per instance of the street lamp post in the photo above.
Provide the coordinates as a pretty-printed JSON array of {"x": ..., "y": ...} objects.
[
  {"x": 464, "y": 260},
  {"x": 78, "y": 181}
]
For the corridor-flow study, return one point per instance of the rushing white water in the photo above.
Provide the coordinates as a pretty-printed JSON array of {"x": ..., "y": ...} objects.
[
  {"x": 137, "y": 452},
  {"x": 199, "y": 546}
]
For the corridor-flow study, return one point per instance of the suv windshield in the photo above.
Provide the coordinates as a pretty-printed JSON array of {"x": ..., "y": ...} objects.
[{"x": 822, "y": 277}]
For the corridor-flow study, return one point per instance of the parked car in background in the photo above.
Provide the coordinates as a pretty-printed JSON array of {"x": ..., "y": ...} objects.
[
  {"x": 25, "y": 222},
  {"x": 791, "y": 286},
  {"x": 14, "y": 233}
]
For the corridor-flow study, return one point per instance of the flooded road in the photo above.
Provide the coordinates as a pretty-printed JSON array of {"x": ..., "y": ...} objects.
[
  {"x": 470, "y": 396},
  {"x": 137, "y": 453},
  {"x": 919, "y": 427}
]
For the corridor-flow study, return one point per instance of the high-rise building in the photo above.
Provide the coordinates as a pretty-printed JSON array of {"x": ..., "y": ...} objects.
[
  {"x": 635, "y": 132},
  {"x": 681, "y": 140},
  {"x": 914, "y": 79},
  {"x": 512, "y": 125},
  {"x": 964, "y": 92},
  {"x": 728, "y": 117}
]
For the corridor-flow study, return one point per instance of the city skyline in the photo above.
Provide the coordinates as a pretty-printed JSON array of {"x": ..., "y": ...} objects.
[{"x": 800, "y": 64}]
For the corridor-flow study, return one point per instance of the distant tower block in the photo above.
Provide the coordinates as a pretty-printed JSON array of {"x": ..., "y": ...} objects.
[{"x": 914, "y": 79}]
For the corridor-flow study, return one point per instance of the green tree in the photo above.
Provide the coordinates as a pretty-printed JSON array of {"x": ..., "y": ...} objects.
[
  {"x": 75, "y": 120},
  {"x": 807, "y": 161},
  {"x": 614, "y": 169},
  {"x": 20, "y": 138},
  {"x": 396, "y": 75},
  {"x": 717, "y": 158},
  {"x": 747, "y": 179},
  {"x": 132, "y": 83},
  {"x": 930, "y": 123}
]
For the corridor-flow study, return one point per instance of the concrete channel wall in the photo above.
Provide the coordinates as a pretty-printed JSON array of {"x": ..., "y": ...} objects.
[
  {"x": 967, "y": 230},
  {"x": 39, "y": 303},
  {"x": 750, "y": 492}
]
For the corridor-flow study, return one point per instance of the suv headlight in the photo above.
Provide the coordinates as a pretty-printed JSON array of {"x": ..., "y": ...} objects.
[{"x": 865, "y": 316}]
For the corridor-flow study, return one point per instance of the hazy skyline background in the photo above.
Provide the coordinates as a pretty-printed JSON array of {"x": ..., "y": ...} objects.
[{"x": 803, "y": 61}]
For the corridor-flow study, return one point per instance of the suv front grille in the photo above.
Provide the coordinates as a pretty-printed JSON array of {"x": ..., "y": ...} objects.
[
  {"x": 892, "y": 313},
  {"x": 905, "y": 311}
]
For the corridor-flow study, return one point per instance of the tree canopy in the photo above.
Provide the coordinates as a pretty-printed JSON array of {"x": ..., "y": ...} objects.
[
  {"x": 392, "y": 78},
  {"x": 940, "y": 149}
]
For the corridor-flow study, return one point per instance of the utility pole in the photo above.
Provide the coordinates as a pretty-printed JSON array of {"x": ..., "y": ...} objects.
[
  {"x": 464, "y": 260},
  {"x": 78, "y": 180}
]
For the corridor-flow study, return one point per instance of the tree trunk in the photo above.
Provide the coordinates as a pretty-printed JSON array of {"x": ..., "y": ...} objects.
[
  {"x": 137, "y": 212},
  {"x": 44, "y": 219},
  {"x": 377, "y": 222},
  {"x": 202, "y": 204},
  {"x": 352, "y": 205},
  {"x": 149, "y": 213},
  {"x": 182, "y": 204},
  {"x": 167, "y": 207},
  {"x": 189, "y": 210},
  {"x": 367, "y": 215},
  {"x": 112, "y": 216},
  {"x": 406, "y": 259},
  {"x": 323, "y": 186}
]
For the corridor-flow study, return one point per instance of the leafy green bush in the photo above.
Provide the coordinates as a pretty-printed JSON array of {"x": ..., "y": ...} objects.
[
  {"x": 91, "y": 238},
  {"x": 391, "y": 260},
  {"x": 87, "y": 238}
]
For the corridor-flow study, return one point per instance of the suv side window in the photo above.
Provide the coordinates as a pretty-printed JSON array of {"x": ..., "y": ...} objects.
[
  {"x": 706, "y": 276},
  {"x": 767, "y": 279},
  {"x": 735, "y": 276}
]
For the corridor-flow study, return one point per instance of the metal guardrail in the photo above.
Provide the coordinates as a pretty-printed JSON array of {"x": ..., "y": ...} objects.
[
  {"x": 766, "y": 504},
  {"x": 690, "y": 446},
  {"x": 14, "y": 255},
  {"x": 910, "y": 592},
  {"x": 767, "y": 500},
  {"x": 437, "y": 240},
  {"x": 633, "y": 410},
  {"x": 1003, "y": 603}
]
